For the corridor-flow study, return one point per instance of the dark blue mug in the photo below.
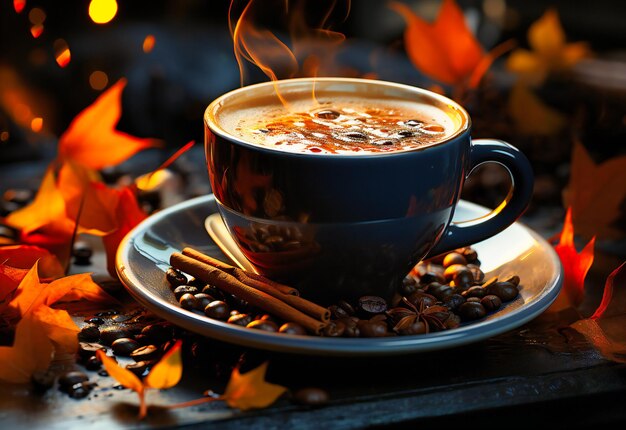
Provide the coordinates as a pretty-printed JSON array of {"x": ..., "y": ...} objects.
[{"x": 343, "y": 226}]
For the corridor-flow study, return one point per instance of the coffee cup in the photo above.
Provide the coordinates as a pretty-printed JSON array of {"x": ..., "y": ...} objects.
[{"x": 340, "y": 214}]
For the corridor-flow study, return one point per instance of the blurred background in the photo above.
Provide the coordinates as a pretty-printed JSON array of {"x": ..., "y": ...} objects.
[{"x": 56, "y": 58}]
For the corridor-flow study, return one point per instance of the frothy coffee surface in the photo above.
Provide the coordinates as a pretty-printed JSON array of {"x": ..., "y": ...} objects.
[{"x": 340, "y": 126}]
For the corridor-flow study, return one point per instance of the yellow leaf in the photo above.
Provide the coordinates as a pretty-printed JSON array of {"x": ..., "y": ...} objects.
[
  {"x": 47, "y": 210},
  {"x": 168, "y": 371},
  {"x": 124, "y": 376},
  {"x": 250, "y": 390},
  {"x": 31, "y": 351},
  {"x": 59, "y": 328},
  {"x": 528, "y": 66},
  {"x": 546, "y": 35},
  {"x": 532, "y": 117}
]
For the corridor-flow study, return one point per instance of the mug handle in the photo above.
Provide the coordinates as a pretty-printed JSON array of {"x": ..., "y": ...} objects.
[{"x": 465, "y": 233}]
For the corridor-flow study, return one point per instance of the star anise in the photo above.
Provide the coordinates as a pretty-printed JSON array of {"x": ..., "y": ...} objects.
[{"x": 418, "y": 320}]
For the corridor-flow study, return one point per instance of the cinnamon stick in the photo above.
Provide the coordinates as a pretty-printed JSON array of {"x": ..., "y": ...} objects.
[
  {"x": 261, "y": 283},
  {"x": 257, "y": 298}
]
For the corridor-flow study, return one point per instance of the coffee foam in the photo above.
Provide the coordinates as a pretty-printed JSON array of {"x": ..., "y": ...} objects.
[{"x": 250, "y": 120}]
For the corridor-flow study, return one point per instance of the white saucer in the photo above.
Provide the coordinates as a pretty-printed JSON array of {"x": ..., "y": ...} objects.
[{"x": 143, "y": 258}]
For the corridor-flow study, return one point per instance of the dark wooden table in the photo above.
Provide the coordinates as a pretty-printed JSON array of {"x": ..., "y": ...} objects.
[{"x": 543, "y": 372}]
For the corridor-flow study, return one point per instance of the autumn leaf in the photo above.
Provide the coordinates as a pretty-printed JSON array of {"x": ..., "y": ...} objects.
[
  {"x": 92, "y": 140},
  {"x": 30, "y": 352},
  {"x": 596, "y": 194},
  {"x": 446, "y": 50},
  {"x": 575, "y": 267},
  {"x": 165, "y": 374},
  {"x": 533, "y": 117},
  {"x": 250, "y": 390},
  {"x": 550, "y": 52},
  {"x": 25, "y": 256},
  {"x": 605, "y": 330},
  {"x": 43, "y": 221}
]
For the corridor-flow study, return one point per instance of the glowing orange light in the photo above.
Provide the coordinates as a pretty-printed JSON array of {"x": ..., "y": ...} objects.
[
  {"x": 4, "y": 136},
  {"x": 102, "y": 11},
  {"x": 98, "y": 80},
  {"x": 62, "y": 52},
  {"x": 36, "y": 124},
  {"x": 36, "y": 30},
  {"x": 36, "y": 16},
  {"x": 18, "y": 5},
  {"x": 148, "y": 43}
]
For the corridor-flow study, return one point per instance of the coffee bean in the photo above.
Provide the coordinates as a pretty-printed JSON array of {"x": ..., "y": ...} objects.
[
  {"x": 145, "y": 353},
  {"x": 453, "y": 321},
  {"x": 68, "y": 379},
  {"x": 463, "y": 278},
  {"x": 453, "y": 258},
  {"x": 334, "y": 329},
  {"x": 327, "y": 114},
  {"x": 440, "y": 291},
  {"x": 515, "y": 280},
  {"x": 188, "y": 301},
  {"x": 505, "y": 290},
  {"x": 217, "y": 309},
  {"x": 89, "y": 333},
  {"x": 478, "y": 274},
  {"x": 273, "y": 203},
  {"x": 82, "y": 253},
  {"x": 87, "y": 350},
  {"x": 475, "y": 291},
  {"x": 311, "y": 396},
  {"x": 184, "y": 289},
  {"x": 372, "y": 329},
  {"x": 93, "y": 363},
  {"x": 109, "y": 335},
  {"x": 95, "y": 320},
  {"x": 408, "y": 286},
  {"x": 469, "y": 311},
  {"x": 263, "y": 325},
  {"x": 491, "y": 302},
  {"x": 469, "y": 253},
  {"x": 175, "y": 277},
  {"x": 453, "y": 301},
  {"x": 80, "y": 390},
  {"x": 213, "y": 291},
  {"x": 371, "y": 305},
  {"x": 351, "y": 328},
  {"x": 420, "y": 298},
  {"x": 347, "y": 307},
  {"x": 157, "y": 333},
  {"x": 337, "y": 312},
  {"x": 415, "y": 327},
  {"x": 124, "y": 346},
  {"x": 203, "y": 300},
  {"x": 42, "y": 380},
  {"x": 473, "y": 299},
  {"x": 292, "y": 328},
  {"x": 240, "y": 319},
  {"x": 137, "y": 368}
]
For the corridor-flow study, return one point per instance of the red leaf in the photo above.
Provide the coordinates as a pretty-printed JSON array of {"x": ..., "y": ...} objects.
[
  {"x": 25, "y": 256},
  {"x": 92, "y": 140},
  {"x": 575, "y": 266}
]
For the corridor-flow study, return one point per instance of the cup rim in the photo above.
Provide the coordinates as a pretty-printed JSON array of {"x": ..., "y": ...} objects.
[{"x": 212, "y": 123}]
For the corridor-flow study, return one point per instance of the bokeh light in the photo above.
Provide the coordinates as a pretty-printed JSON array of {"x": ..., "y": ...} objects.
[
  {"x": 62, "y": 52},
  {"x": 36, "y": 124},
  {"x": 148, "y": 43},
  {"x": 18, "y": 5},
  {"x": 98, "y": 80},
  {"x": 102, "y": 11}
]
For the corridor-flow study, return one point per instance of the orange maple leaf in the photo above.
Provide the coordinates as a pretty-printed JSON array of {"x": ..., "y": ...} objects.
[
  {"x": 30, "y": 352},
  {"x": 446, "y": 50},
  {"x": 43, "y": 221},
  {"x": 244, "y": 391},
  {"x": 596, "y": 193},
  {"x": 604, "y": 329},
  {"x": 165, "y": 374},
  {"x": 92, "y": 140},
  {"x": 533, "y": 117},
  {"x": 24, "y": 257},
  {"x": 550, "y": 52},
  {"x": 575, "y": 267}
]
